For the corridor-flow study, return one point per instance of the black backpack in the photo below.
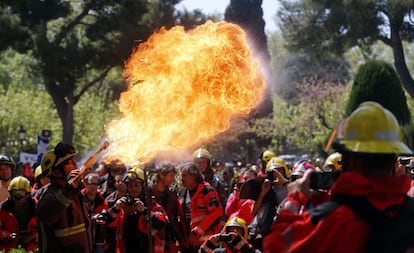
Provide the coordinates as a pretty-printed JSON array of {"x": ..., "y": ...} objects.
[{"x": 392, "y": 230}]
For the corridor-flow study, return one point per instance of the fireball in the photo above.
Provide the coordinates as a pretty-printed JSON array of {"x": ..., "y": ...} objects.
[{"x": 183, "y": 89}]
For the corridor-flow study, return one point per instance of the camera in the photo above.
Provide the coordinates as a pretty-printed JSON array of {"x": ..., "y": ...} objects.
[
  {"x": 130, "y": 201},
  {"x": 225, "y": 238},
  {"x": 323, "y": 180},
  {"x": 270, "y": 175}
]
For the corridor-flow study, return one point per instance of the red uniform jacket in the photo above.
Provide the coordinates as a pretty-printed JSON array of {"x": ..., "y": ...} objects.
[
  {"x": 10, "y": 225},
  {"x": 206, "y": 213},
  {"x": 341, "y": 231}
]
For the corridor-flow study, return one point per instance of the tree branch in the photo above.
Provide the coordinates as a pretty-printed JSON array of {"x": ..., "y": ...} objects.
[
  {"x": 65, "y": 29},
  {"x": 91, "y": 83},
  {"x": 385, "y": 40}
]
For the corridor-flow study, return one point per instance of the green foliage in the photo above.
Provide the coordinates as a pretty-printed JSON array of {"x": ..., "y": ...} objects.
[
  {"x": 31, "y": 109},
  {"x": 322, "y": 28},
  {"x": 377, "y": 81},
  {"x": 92, "y": 113},
  {"x": 305, "y": 127}
]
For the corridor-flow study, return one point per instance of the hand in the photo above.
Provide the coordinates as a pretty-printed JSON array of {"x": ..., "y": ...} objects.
[
  {"x": 73, "y": 176},
  {"x": 121, "y": 203},
  {"x": 302, "y": 185},
  {"x": 280, "y": 180},
  {"x": 214, "y": 239},
  {"x": 236, "y": 192}
]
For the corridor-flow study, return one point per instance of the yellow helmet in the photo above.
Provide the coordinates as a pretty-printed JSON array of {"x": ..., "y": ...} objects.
[
  {"x": 203, "y": 153},
  {"x": 372, "y": 129},
  {"x": 277, "y": 162},
  {"x": 38, "y": 171},
  {"x": 237, "y": 222},
  {"x": 335, "y": 160},
  {"x": 47, "y": 163},
  {"x": 135, "y": 174},
  {"x": 267, "y": 155},
  {"x": 20, "y": 183}
]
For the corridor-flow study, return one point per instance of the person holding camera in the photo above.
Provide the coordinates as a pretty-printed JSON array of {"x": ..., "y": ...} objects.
[
  {"x": 129, "y": 236},
  {"x": 233, "y": 238},
  {"x": 370, "y": 142},
  {"x": 18, "y": 220},
  {"x": 272, "y": 192}
]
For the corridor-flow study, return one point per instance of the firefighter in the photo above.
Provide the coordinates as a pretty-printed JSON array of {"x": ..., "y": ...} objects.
[
  {"x": 370, "y": 140},
  {"x": 7, "y": 166},
  {"x": 234, "y": 238},
  {"x": 64, "y": 222},
  {"x": 18, "y": 222},
  {"x": 201, "y": 208},
  {"x": 333, "y": 162},
  {"x": 204, "y": 161},
  {"x": 40, "y": 181},
  {"x": 265, "y": 157},
  {"x": 130, "y": 237},
  {"x": 93, "y": 200},
  {"x": 161, "y": 189}
]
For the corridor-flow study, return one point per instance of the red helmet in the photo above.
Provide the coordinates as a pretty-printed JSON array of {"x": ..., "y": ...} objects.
[{"x": 301, "y": 167}]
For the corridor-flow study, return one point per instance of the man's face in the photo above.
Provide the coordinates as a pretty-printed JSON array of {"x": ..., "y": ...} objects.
[
  {"x": 5, "y": 171},
  {"x": 168, "y": 179},
  {"x": 92, "y": 185},
  {"x": 202, "y": 163},
  {"x": 69, "y": 165},
  {"x": 187, "y": 179}
]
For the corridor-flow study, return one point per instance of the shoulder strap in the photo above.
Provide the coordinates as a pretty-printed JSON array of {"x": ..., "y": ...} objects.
[{"x": 361, "y": 207}]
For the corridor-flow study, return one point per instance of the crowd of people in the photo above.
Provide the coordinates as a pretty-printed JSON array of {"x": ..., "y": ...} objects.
[{"x": 198, "y": 206}]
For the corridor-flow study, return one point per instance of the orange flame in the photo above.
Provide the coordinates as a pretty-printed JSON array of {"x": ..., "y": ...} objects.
[{"x": 183, "y": 88}]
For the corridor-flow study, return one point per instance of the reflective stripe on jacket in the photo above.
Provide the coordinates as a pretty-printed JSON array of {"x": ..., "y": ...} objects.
[{"x": 63, "y": 219}]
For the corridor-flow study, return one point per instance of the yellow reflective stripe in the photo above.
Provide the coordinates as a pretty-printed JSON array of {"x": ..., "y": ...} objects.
[{"x": 70, "y": 230}]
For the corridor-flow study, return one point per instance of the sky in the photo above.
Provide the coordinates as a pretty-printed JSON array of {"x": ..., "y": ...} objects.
[{"x": 212, "y": 6}]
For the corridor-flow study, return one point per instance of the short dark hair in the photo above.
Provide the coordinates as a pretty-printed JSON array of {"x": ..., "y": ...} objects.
[{"x": 165, "y": 167}]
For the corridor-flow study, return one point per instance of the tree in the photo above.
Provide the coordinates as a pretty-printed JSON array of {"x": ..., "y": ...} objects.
[
  {"x": 75, "y": 43},
  {"x": 325, "y": 27},
  {"x": 377, "y": 81},
  {"x": 297, "y": 70}
]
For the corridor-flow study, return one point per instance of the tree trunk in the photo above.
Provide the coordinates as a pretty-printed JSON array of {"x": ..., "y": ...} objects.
[
  {"x": 64, "y": 107},
  {"x": 67, "y": 123},
  {"x": 400, "y": 63}
]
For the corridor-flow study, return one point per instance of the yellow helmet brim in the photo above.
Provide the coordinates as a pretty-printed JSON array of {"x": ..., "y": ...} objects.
[{"x": 382, "y": 147}]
